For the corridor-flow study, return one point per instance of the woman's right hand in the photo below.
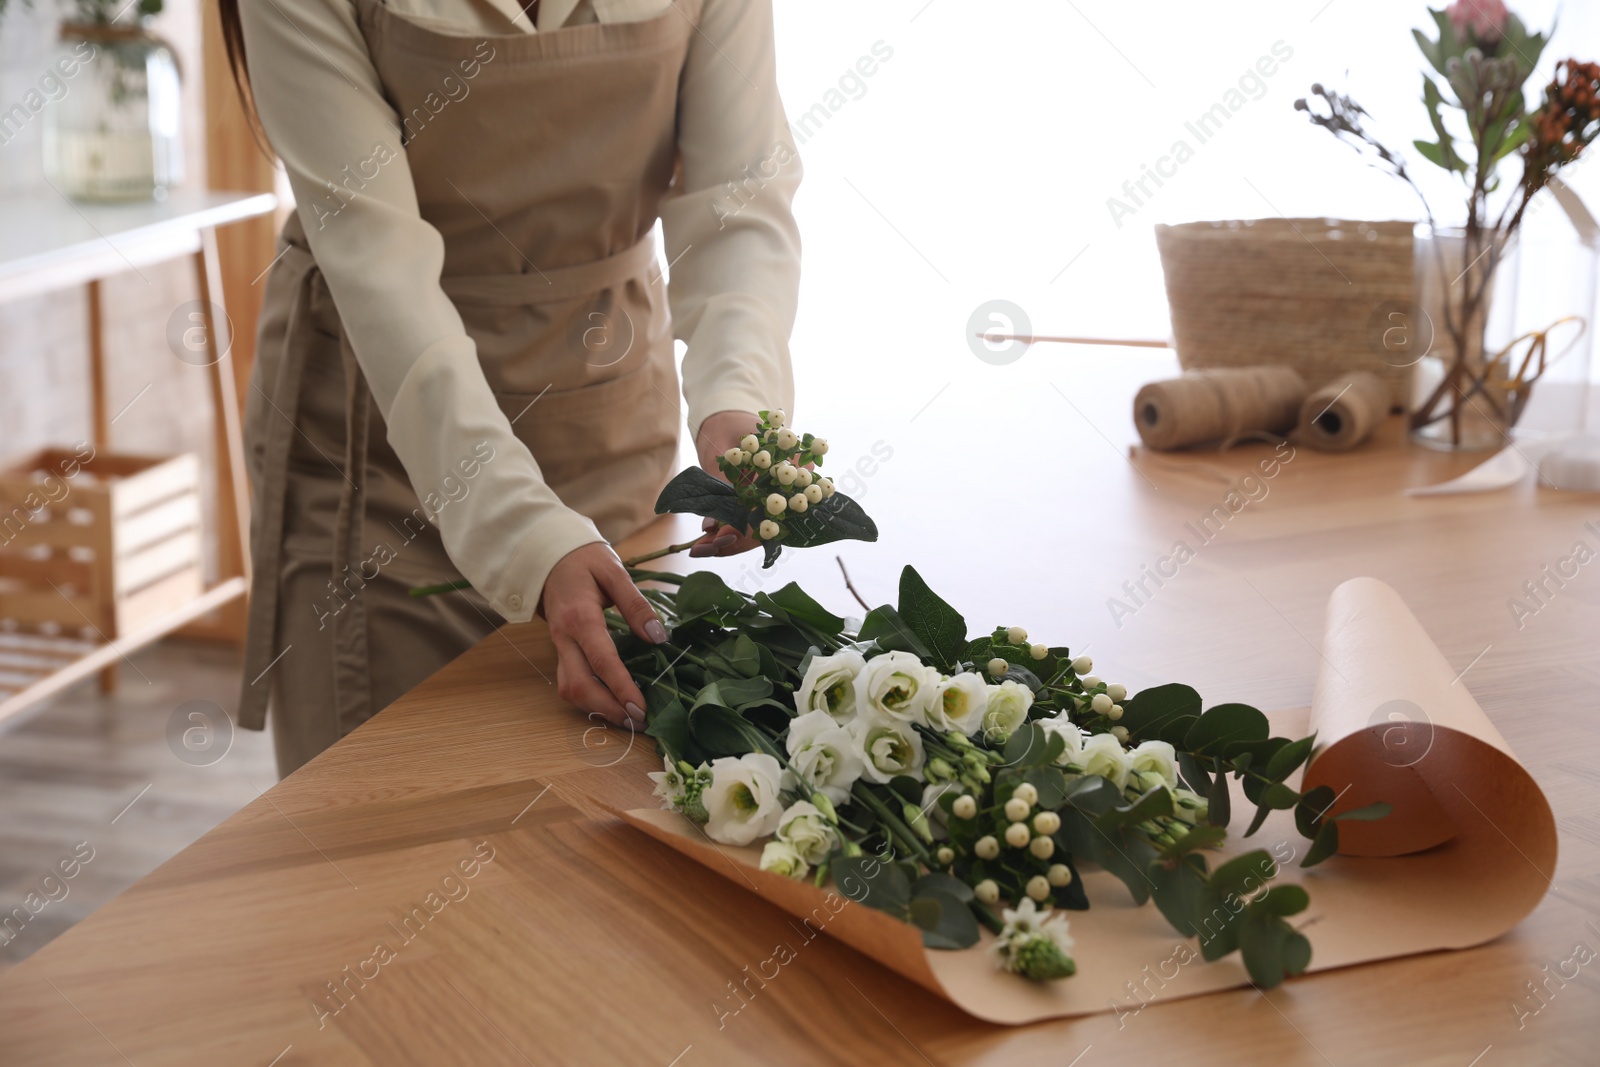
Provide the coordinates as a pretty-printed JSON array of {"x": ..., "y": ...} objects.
[{"x": 589, "y": 673}]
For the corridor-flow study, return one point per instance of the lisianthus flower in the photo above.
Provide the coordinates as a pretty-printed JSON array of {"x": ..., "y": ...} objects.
[
  {"x": 898, "y": 685},
  {"x": 830, "y": 685},
  {"x": 1007, "y": 709},
  {"x": 1154, "y": 763},
  {"x": 1071, "y": 733},
  {"x": 887, "y": 746},
  {"x": 804, "y": 827},
  {"x": 958, "y": 704},
  {"x": 930, "y": 804},
  {"x": 1035, "y": 943},
  {"x": 822, "y": 756},
  {"x": 1104, "y": 755},
  {"x": 742, "y": 801},
  {"x": 780, "y": 857}
]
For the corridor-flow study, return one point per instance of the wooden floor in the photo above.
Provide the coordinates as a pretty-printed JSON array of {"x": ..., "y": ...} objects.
[{"x": 99, "y": 770}]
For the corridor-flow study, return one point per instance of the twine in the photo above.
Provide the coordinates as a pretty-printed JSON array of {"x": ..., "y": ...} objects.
[
  {"x": 1343, "y": 413},
  {"x": 1218, "y": 406}
]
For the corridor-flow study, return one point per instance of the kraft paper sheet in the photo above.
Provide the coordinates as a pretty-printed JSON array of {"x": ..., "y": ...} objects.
[{"x": 1468, "y": 852}]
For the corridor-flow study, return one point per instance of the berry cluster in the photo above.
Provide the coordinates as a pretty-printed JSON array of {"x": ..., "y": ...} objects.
[{"x": 773, "y": 471}]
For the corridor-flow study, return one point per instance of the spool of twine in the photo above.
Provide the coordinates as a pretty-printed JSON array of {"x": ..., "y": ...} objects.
[
  {"x": 1218, "y": 406},
  {"x": 1343, "y": 413}
]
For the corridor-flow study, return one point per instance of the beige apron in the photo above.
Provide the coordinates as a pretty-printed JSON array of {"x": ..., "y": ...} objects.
[{"x": 545, "y": 181}]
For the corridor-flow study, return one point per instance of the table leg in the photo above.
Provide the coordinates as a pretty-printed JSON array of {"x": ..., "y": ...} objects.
[{"x": 101, "y": 424}]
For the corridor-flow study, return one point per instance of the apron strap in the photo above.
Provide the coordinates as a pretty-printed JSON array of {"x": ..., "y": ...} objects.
[
  {"x": 352, "y": 678},
  {"x": 267, "y": 543}
]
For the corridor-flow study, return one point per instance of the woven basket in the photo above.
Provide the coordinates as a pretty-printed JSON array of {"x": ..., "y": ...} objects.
[{"x": 1316, "y": 294}]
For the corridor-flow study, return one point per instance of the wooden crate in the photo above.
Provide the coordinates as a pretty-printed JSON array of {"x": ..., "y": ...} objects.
[{"x": 95, "y": 546}]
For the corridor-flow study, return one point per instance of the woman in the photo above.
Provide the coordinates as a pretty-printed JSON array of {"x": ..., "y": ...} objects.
[{"x": 465, "y": 363}]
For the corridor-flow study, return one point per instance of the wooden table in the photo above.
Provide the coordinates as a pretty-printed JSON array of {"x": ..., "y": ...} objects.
[
  {"x": 583, "y": 942},
  {"x": 48, "y": 242}
]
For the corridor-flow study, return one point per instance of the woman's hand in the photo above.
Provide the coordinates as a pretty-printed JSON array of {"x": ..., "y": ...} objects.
[
  {"x": 589, "y": 673},
  {"x": 718, "y": 433}
]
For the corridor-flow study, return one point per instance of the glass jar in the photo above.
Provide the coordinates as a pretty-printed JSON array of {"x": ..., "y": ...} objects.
[{"x": 116, "y": 133}]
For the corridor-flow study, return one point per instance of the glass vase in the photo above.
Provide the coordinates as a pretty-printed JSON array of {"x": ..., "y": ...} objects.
[{"x": 115, "y": 135}]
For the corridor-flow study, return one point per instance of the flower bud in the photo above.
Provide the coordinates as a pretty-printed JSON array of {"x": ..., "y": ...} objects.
[
  {"x": 821, "y": 802},
  {"x": 798, "y": 502},
  {"x": 1016, "y": 809},
  {"x": 1059, "y": 874},
  {"x": 1117, "y": 692},
  {"x": 946, "y": 856},
  {"x": 814, "y": 493},
  {"x": 1100, "y": 704},
  {"x": 965, "y": 807},
  {"x": 987, "y": 847},
  {"x": 1026, "y": 793},
  {"x": 1047, "y": 822},
  {"x": 776, "y": 505},
  {"x": 998, "y": 667},
  {"x": 732, "y": 456},
  {"x": 917, "y": 821},
  {"x": 1038, "y": 651},
  {"x": 1016, "y": 635},
  {"x": 1082, "y": 665},
  {"x": 939, "y": 770},
  {"x": 769, "y": 529},
  {"x": 1042, "y": 847},
  {"x": 987, "y": 891},
  {"x": 1038, "y": 887},
  {"x": 1017, "y": 835},
  {"x": 762, "y": 459}
]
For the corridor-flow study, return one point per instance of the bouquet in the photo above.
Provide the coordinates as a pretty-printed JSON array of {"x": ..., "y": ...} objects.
[
  {"x": 1480, "y": 59},
  {"x": 955, "y": 782}
]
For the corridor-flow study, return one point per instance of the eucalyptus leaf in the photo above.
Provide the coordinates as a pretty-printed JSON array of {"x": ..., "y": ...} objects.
[
  {"x": 1147, "y": 710},
  {"x": 1224, "y": 724}
]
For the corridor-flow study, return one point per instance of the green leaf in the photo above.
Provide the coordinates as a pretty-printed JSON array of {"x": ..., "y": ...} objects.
[
  {"x": 670, "y": 725},
  {"x": 1198, "y": 837},
  {"x": 1148, "y": 710},
  {"x": 938, "y": 881},
  {"x": 937, "y": 625},
  {"x": 1233, "y": 878},
  {"x": 833, "y": 518},
  {"x": 1261, "y": 946},
  {"x": 1225, "y": 724},
  {"x": 946, "y": 921},
  {"x": 1219, "y": 802},
  {"x": 1311, "y": 809},
  {"x": 1093, "y": 794},
  {"x": 1050, "y": 782},
  {"x": 885, "y": 626},
  {"x": 1195, "y": 777},
  {"x": 1288, "y": 759},
  {"x": 1430, "y": 50},
  {"x": 1296, "y": 954},
  {"x": 695, "y": 492},
  {"x": 871, "y": 881},
  {"x": 797, "y": 603},
  {"x": 1178, "y": 891},
  {"x": 1283, "y": 900},
  {"x": 1325, "y": 844},
  {"x": 704, "y": 592},
  {"x": 1029, "y": 746}
]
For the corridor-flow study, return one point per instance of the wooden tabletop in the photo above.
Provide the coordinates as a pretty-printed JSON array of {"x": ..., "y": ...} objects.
[{"x": 464, "y": 828}]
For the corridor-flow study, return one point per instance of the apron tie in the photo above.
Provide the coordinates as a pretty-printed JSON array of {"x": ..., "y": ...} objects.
[{"x": 352, "y": 679}]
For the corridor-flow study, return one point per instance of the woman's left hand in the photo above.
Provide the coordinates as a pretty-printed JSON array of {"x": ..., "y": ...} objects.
[{"x": 718, "y": 433}]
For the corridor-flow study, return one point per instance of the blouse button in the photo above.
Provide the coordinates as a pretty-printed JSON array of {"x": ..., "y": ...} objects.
[{"x": 514, "y": 602}]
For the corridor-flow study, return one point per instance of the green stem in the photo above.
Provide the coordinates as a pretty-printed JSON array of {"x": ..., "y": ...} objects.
[
  {"x": 892, "y": 823},
  {"x": 656, "y": 576},
  {"x": 658, "y": 553},
  {"x": 985, "y": 916},
  {"x": 435, "y": 590}
]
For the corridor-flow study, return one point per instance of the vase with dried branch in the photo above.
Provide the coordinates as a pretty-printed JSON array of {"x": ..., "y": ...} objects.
[{"x": 1481, "y": 59}]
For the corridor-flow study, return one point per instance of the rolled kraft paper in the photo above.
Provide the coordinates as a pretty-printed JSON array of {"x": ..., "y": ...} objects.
[
  {"x": 1386, "y": 900},
  {"x": 1343, "y": 413},
  {"x": 1214, "y": 406}
]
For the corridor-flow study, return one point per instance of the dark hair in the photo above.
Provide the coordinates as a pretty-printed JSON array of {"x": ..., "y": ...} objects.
[{"x": 233, "y": 46}]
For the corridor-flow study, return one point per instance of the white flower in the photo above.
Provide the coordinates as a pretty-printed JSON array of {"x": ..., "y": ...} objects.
[
  {"x": 776, "y": 504},
  {"x": 899, "y": 686},
  {"x": 930, "y": 804},
  {"x": 787, "y": 439},
  {"x": 742, "y": 800},
  {"x": 811, "y": 835},
  {"x": 822, "y": 754},
  {"x": 762, "y": 459},
  {"x": 803, "y": 478},
  {"x": 769, "y": 529},
  {"x": 1007, "y": 709},
  {"x": 780, "y": 857},
  {"x": 1155, "y": 762},
  {"x": 799, "y": 502},
  {"x": 1025, "y": 926},
  {"x": 732, "y": 456},
  {"x": 958, "y": 704},
  {"x": 669, "y": 784},
  {"x": 749, "y": 443},
  {"x": 888, "y": 747},
  {"x": 830, "y": 685},
  {"x": 785, "y": 472},
  {"x": 1104, "y": 755},
  {"x": 814, "y": 493},
  {"x": 826, "y": 483},
  {"x": 1069, "y": 732},
  {"x": 1016, "y": 635}
]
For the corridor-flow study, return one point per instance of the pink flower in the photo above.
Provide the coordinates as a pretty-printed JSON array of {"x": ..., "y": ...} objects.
[{"x": 1484, "y": 19}]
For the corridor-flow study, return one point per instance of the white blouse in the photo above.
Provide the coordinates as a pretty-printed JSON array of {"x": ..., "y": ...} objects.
[{"x": 732, "y": 289}]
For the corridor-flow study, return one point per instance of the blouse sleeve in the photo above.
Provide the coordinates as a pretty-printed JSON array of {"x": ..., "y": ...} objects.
[
  {"x": 731, "y": 237},
  {"x": 323, "y": 108}
]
